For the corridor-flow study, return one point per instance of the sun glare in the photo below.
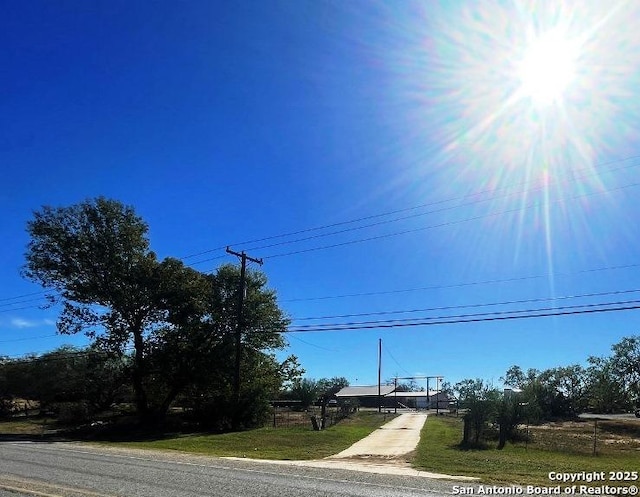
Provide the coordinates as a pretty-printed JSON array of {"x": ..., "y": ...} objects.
[
  {"x": 525, "y": 98},
  {"x": 548, "y": 67}
]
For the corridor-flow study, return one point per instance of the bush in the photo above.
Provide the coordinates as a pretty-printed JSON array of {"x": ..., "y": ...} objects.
[
  {"x": 348, "y": 406},
  {"x": 6, "y": 408},
  {"x": 71, "y": 413}
]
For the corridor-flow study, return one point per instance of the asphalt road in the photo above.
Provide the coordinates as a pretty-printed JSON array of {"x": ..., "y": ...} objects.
[{"x": 69, "y": 469}]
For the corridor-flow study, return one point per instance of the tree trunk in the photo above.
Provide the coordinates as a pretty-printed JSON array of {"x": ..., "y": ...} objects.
[
  {"x": 502, "y": 435},
  {"x": 142, "y": 404},
  {"x": 166, "y": 403},
  {"x": 466, "y": 432}
]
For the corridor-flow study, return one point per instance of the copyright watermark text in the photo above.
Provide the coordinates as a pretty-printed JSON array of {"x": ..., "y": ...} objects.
[{"x": 625, "y": 490}]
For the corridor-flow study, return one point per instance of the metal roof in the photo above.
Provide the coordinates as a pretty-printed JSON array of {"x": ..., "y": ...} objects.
[
  {"x": 365, "y": 391},
  {"x": 432, "y": 393}
]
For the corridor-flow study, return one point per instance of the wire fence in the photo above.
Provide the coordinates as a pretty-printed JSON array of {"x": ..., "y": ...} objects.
[
  {"x": 588, "y": 437},
  {"x": 285, "y": 416}
]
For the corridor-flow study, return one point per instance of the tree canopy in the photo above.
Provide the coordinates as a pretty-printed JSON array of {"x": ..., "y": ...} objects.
[{"x": 96, "y": 258}]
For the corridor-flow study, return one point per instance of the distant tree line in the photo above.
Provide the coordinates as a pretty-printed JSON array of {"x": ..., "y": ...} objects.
[
  {"x": 607, "y": 385},
  {"x": 307, "y": 391},
  {"x": 161, "y": 332}
]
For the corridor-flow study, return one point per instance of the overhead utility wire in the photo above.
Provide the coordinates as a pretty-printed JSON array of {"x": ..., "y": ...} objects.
[
  {"x": 23, "y": 302},
  {"x": 386, "y": 349},
  {"x": 441, "y": 225},
  {"x": 479, "y": 318},
  {"x": 313, "y": 344},
  {"x": 566, "y": 179},
  {"x": 374, "y": 216},
  {"x": 320, "y": 326},
  {"x": 419, "y": 289},
  {"x": 388, "y": 221},
  {"x": 23, "y": 295},
  {"x": 26, "y": 339},
  {"x": 403, "y": 218},
  {"x": 458, "y": 285},
  {"x": 22, "y": 308},
  {"x": 470, "y": 306},
  {"x": 367, "y": 226},
  {"x": 468, "y": 318},
  {"x": 465, "y": 306}
]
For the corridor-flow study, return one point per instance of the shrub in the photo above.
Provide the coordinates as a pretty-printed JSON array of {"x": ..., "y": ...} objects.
[{"x": 71, "y": 413}]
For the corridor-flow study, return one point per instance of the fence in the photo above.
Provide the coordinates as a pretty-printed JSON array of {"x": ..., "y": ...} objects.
[
  {"x": 285, "y": 416},
  {"x": 589, "y": 437}
]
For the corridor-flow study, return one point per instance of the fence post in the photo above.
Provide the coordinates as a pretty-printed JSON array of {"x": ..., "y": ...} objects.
[{"x": 595, "y": 436}]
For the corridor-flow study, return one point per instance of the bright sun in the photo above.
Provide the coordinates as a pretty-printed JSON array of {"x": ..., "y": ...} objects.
[{"x": 547, "y": 68}]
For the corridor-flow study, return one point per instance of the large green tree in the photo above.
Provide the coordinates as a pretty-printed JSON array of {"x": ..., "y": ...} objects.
[
  {"x": 181, "y": 323},
  {"x": 196, "y": 351},
  {"x": 553, "y": 393},
  {"x": 96, "y": 258},
  {"x": 605, "y": 391},
  {"x": 615, "y": 380},
  {"x": 625, "y": 362}
]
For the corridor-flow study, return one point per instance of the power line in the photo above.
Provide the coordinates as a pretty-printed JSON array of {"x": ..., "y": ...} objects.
[
  {"x": 26, "y": 339},
  {"x": 394, "y": 359},
  {"x": 441, "y": 225},
  {"x": 539, "y": 313},
  {"x": 495, "y": 313},
  {"x": 459, "y": 285},
  {"x": 412, "y": 216},
  {"x": 470, "y": 318},
  {"x": 470, "y": 306},
  {"x": 313, "y": 344},
  {"x": 452, "y": 307},
  {"x": 22, "y": 308},
  {"x": 428, "y": 309},
  {"x": 573, "y": 178},
  {"x": 40, "y": 299},
  {"x": 23, "y": 295},
  {"x": 438, "y": 287}
]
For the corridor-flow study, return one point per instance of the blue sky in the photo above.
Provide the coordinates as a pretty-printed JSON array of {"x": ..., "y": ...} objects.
[{"x": 222, "y": 122}]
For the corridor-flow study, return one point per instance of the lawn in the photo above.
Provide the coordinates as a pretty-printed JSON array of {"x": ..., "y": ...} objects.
[
  {"x": 563, "y": 447},
  {"x": 26, "y": 426},
  {"x": 295, "y": 443}
]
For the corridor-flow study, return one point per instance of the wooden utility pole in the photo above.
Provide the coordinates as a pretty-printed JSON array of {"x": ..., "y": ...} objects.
[
  {"x": 395, "y": 395},
  {"x": 379, "y": 374},
  {"x": 428, "y": 399},
  {"x": 240, "y": 324}
]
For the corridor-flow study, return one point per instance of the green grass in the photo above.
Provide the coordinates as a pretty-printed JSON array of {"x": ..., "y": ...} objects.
[
  {"x": 520, "y": 464},
  {"x": 269, "y": 443},
  {"x": 25, "y": 426}
]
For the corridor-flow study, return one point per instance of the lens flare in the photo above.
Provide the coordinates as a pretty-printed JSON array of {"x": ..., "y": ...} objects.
[
  {"x": 548, "y": 67},
  {"x": 525, "y": 96}
]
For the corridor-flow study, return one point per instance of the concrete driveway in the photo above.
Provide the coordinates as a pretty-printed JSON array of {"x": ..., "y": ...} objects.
[
  {"x": 385, "y": 451},
  {"x": 398, "y": 437}
]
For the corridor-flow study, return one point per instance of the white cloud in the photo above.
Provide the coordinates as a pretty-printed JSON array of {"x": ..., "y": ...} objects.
[
  {"x": 30, "y": 323},
  {"x": 22, "y": 323}
]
